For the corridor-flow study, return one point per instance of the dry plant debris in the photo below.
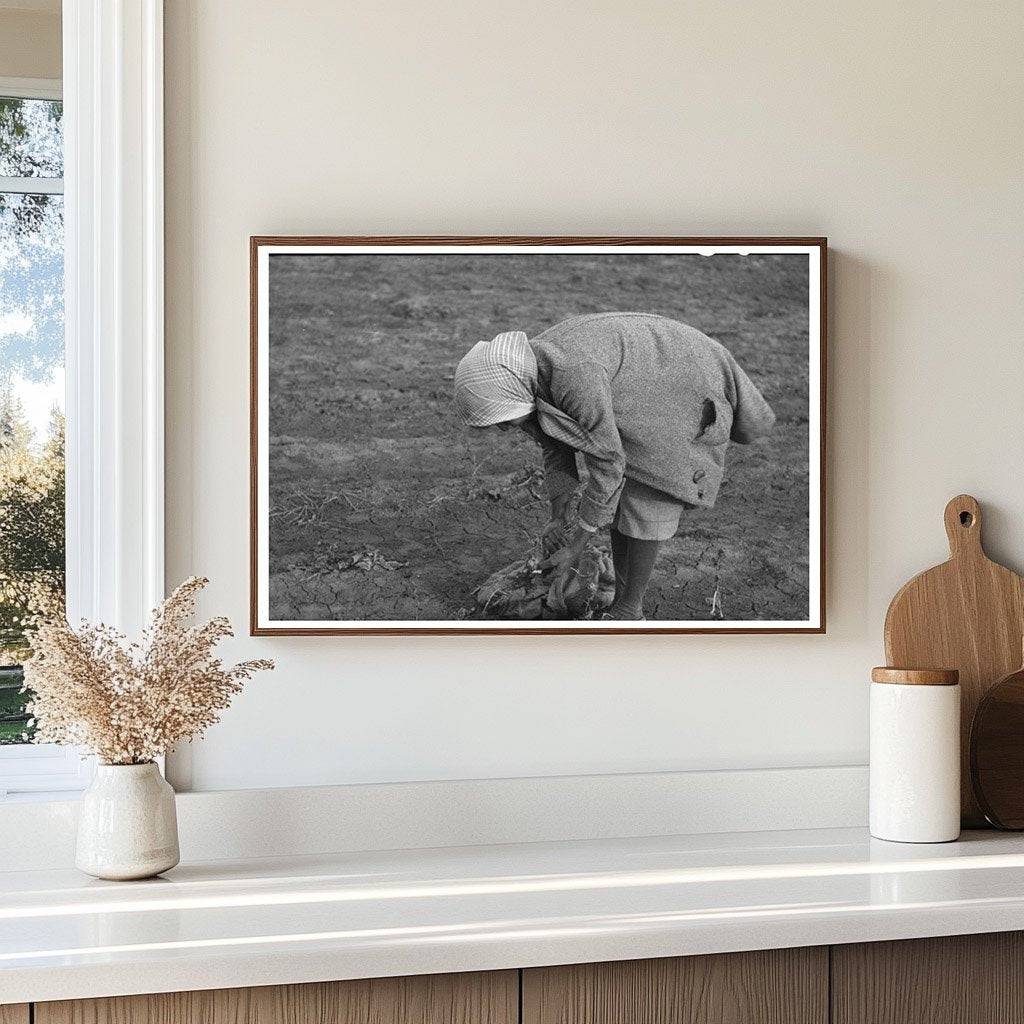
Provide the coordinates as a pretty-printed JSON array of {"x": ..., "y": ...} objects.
[
  {"x": 129, "y": 703},
  {"x": 371, "y": 559},
  {"x": 537, "y": 588}
]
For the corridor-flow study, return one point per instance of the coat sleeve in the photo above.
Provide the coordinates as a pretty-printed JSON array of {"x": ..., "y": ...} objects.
[
  {"x": 752, "y": 416},
  {"x": 560, "y": 475},
  {"x": 583, "y": 392}
]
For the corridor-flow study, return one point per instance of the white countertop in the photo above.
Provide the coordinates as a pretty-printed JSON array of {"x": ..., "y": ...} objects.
[{"x": 261, "y": 922}]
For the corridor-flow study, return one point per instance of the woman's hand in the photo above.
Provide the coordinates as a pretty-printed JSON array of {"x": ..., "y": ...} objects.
[
  {"x": 556, "y": 534},
  {"x": 554, "y": 538},
  {"x": 580, "y": 544},
  {"x": 560, "y": 506},
  {"x": 571, "y": 553}
]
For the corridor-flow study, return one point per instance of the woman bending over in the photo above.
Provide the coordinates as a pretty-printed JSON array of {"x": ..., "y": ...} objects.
[{"x": 650, "y": 403}]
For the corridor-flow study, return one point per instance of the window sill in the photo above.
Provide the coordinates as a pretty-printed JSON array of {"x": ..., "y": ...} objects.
[{"x": 44, "y": 771}]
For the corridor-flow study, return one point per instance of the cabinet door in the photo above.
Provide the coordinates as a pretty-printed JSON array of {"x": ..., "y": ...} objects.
[
  {"x": 777, "y": 986},
  {"x": 962, "y": 979},
  {"x": 490, "y": 998},
  {"x": 14, "y": 1013}
]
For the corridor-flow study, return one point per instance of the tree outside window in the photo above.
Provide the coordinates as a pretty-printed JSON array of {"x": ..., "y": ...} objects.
[{"x": 31, "y": 387}]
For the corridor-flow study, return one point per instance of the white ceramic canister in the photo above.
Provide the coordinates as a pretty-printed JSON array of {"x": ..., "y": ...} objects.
[
  {"x": 915, "y": 755},
  {"x": 127, "y": 825}
]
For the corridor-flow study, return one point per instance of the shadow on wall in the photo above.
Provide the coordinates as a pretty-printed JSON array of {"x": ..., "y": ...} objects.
[{"x": 855, "y": 288}]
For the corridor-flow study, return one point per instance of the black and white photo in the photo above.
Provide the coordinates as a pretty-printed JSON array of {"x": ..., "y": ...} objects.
[{"x": 476, "y": 435}]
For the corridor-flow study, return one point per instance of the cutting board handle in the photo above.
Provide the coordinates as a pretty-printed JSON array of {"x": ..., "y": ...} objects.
[{"x": 963, "y": 526}]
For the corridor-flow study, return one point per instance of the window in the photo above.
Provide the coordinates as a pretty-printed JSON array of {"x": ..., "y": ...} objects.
[
  {"x": 92, "y": 172},
  {"x": 32, "y": 514}
]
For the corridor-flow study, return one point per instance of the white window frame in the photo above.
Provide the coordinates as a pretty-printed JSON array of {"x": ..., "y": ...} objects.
[
  {"x": 32, "y": 88},
  {"x": 114, "y": 324}
]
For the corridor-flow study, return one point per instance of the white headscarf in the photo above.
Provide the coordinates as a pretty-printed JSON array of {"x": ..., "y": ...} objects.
[{"x": 496, "y": 380}]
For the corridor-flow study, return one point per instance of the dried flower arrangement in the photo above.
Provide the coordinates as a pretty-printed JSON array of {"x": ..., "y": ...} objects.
[{"x": 129, "y": 703}]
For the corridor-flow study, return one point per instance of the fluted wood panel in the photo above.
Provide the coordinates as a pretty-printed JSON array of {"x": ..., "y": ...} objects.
[
  {"x": 963, "y": 979},
  {"x": 779, "y": 986},
  {"x": 490, "y": 998},
  {"x": 14, "y": 1013}
]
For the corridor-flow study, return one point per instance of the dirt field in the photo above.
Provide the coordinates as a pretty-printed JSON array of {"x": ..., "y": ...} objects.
[{"x": 384, "y": 507}]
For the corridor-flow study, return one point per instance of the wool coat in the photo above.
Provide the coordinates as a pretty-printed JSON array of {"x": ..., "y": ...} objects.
[{"x": 644, "y": 397}]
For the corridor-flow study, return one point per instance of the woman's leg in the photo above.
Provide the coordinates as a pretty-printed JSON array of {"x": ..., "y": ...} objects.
[
  {"x": 620, "y": 559},
  {"x": 644, "y": 520},
  {"x": 639, "y": 559}
]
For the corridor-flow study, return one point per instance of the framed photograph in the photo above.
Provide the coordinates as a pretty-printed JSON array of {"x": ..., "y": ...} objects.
[{"x": 537, "y": 435}]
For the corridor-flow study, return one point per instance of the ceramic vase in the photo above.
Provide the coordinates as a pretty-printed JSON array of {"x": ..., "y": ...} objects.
[{"x": 127, "y": 825}]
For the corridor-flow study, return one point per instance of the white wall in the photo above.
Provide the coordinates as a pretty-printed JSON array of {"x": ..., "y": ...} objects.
[{"x": 895, "y": 129}]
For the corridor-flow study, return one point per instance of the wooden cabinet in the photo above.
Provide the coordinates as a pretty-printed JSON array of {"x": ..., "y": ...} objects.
[
  {"x": 491, "y": 998},
  {"x": 963, "y": 979},
  {"x": 970, "y": 979},
  {"x": 777, "y": 986}
]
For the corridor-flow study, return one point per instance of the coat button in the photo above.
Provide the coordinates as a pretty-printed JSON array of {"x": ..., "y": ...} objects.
[{"x": 698, "y": 476}]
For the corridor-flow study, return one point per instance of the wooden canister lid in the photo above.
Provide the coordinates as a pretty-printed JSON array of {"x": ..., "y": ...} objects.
[{"x": 916, "y": 676}]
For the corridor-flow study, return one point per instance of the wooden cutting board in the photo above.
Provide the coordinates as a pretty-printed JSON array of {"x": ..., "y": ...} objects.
[{"x": 967, "y": 614}]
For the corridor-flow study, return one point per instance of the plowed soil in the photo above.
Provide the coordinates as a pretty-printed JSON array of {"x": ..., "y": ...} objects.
[{"x": 383, "y": 506}]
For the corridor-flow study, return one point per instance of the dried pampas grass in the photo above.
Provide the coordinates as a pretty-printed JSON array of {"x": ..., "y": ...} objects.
[{"x": 129, "y": 703}]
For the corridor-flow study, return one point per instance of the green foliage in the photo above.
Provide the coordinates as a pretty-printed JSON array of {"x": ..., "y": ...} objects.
[
  {"x": 31, "y": 545},
  {"x": 31, "y": 347},
  {"x": 14, "y": 727},
  {"x": 30, "y": 138}
]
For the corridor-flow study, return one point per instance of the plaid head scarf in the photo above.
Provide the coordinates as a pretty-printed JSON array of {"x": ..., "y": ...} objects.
[{"x": 495, "y": 380}]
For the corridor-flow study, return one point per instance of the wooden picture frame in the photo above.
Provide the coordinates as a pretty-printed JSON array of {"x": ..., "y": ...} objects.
[{"x": 263, "y": 248}]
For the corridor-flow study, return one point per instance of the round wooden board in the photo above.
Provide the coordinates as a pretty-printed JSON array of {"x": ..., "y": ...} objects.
[{"x": 997, "y": 752}]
